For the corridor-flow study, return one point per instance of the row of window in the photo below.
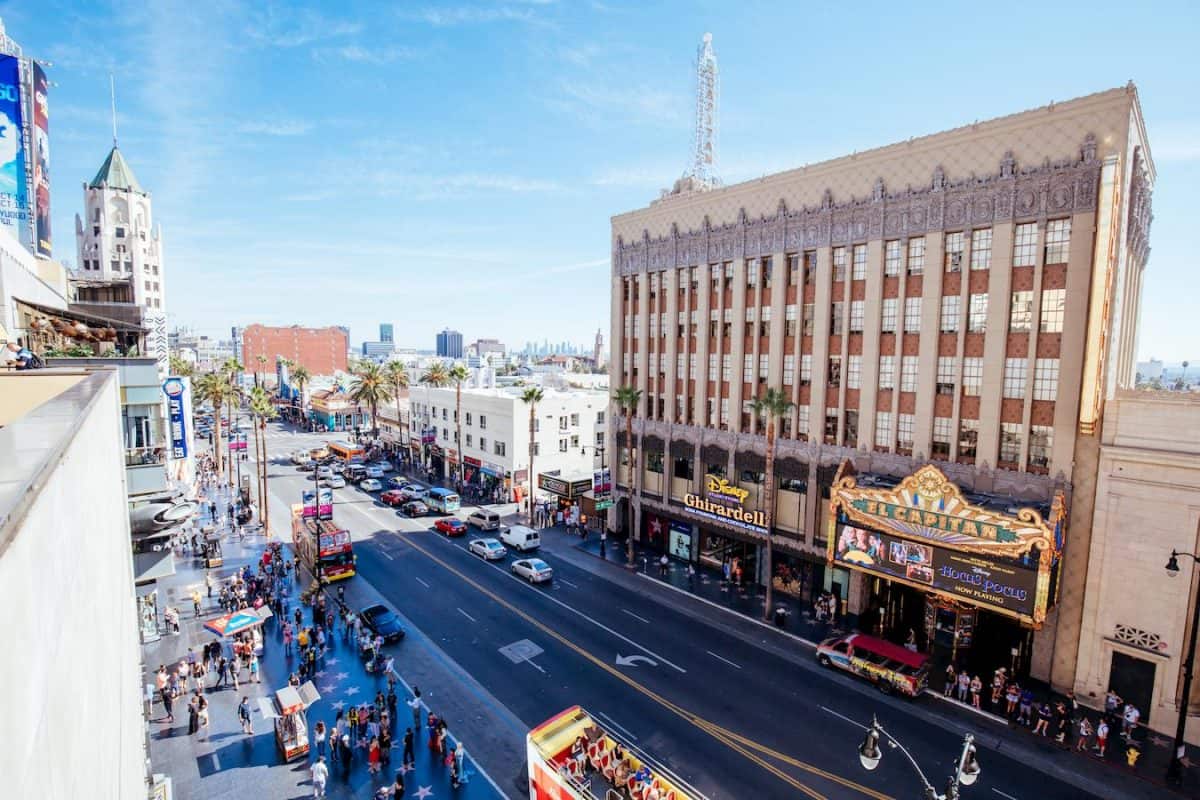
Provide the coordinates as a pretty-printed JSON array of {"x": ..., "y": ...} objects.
[{"x": 897, "y": 258}]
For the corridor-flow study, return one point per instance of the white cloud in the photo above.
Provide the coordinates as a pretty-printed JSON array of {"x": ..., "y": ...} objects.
[
  {"x": 280, "y": 127},
  {"x": 474, "y": 15},
  {"x": 377, "y": 56},
  {"x": 288, "y": 27},
  {"x": 605, "y": 101},
  {"x": 659, "y": 176}
]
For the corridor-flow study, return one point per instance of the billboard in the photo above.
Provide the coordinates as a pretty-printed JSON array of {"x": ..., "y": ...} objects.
[
  {"x": 174, "y": 388},
  {"x": 14, "y": 200},
  {"x": 326, "y": 509},
  {"x": 41, "y": 161},
  {"x": 1001, "y": 583}
]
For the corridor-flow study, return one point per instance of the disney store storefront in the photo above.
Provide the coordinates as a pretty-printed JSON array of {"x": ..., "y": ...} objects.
[{"x": 954, "y": 576}]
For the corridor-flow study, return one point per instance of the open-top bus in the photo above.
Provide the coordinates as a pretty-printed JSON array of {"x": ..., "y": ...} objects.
[
  {"x": 323, "y": 547},
  {"x": 443, "y": 501},
  {"x": 557, "y": 770}
]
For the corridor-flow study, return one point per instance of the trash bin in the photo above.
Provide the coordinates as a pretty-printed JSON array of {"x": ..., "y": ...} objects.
[{"x": 781, "y": 614}]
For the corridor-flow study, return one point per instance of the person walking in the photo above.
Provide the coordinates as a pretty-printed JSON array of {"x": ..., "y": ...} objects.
[
  {"x": 243, "y": 712},
  {"x": 409, "y": 756},
  {"x": 414, "y": 705},
  {"x": 1085, "y": 735},
  {"x": 1102, "y": 736},
  {"x": 398, "y": 784},
  {"x": 951, "y": 680},
  {"x": 664, "y": 564},
  {"x": 964, "y": 686},
  {"x": 976, "y": 689},
  {"x": 167, "y": 701},
  {"x": 319, "y": 739},
  {"x": 373, "y": 757},
  {"x": 193, "y": 715},
  {"x": 320, "y": 774}
]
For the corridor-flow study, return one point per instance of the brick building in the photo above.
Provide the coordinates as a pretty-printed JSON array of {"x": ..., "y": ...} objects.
[
  {"x": 948, "y": 315},
  {"x": 322, "y": 351}
]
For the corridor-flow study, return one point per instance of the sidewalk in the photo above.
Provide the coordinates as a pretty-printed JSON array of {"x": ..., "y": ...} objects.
[
  {"x": 222, "y": 761},
  {"x": 800, "y": 632}
]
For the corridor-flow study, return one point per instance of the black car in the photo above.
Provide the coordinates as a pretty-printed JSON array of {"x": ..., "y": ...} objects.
[{"x": 382, "y": 621}]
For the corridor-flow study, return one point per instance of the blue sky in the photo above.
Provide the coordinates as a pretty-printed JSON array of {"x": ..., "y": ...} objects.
[{"x": 456, "y": 164}]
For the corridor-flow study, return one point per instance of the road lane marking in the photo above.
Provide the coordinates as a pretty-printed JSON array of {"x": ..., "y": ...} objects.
[
  {"x": 635, "y": 616},
  {"x": 1002, "y": 794},
  {"x": 568, "y": 583},
  {"x": 855, "y": 723},
  {"x": 616, "y": 725},
  {"x": 468, "y": 616},
  {"x": 423, "y": 583},
  {"x": 726, "y": 660},
  {"x": 734, "y": 741},
  {"x": 533, "y": 664},
  {"x": 386, "y": 554}
]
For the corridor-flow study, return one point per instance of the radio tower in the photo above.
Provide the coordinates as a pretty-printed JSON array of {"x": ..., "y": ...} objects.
[{"x": 704, "y": 137}]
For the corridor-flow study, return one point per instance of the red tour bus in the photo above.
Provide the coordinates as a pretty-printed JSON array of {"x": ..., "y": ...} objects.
[
  {"x": 556, "y": 769},
  {"x": 323, "y": 547},
  {"x": 889, "y": 666}
]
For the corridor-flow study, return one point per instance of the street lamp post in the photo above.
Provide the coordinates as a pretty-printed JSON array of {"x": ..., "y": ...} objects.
[
  {"x": 966, "y": 772},
  {"x": 1175, "y": 770},
  {"x": 598, "y": 450}
]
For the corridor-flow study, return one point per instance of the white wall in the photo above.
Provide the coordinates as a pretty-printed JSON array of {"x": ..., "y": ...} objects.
[
  {"x": 19, "y": 281},
  {"x": 70, "y": 669}
]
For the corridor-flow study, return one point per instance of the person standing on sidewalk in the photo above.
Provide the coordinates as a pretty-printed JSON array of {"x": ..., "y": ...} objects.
[
  {"x": 320, "y": 774},
  {"x": 664, "y": 564},
  {"x": 398, "y": 784},
  {"x": 414, "y": 705},
  {"x": 193, "y": 715},
  {"x": 243, "y": 712},
  {"x": 167, "y": 702}
]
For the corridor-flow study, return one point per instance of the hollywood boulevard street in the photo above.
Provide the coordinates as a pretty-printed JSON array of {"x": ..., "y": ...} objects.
[{"x": 736, "y": 710}]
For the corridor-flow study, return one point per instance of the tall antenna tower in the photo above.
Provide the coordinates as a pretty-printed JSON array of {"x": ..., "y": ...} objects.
[{"x": 704, "y": 137}]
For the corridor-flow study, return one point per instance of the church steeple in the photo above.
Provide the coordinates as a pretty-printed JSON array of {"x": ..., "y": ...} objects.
[{"x": 115, "y": 174}]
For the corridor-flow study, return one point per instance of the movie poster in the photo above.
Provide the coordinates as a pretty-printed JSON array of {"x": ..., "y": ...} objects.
[
  {"x": 14, "y": 202},
  {"x": 41, "y": 160}
]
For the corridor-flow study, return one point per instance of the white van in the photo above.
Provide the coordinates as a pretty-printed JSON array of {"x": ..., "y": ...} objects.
[
  {"x": 520, "y": 537},
  {"x": 484, "y": 520}
]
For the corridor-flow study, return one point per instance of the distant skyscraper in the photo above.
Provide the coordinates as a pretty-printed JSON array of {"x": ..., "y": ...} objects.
[
  {"x": 449, "y": 344},
  {"x": 598, "y": 350},
  {"x": 386, "y": 332}
]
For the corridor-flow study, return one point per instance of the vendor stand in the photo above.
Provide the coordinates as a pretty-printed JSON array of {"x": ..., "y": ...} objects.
[
  {"x": 212, "y": 550},
  {"x": 289, "y": 710},
  {"x": 248, "y": 620}
]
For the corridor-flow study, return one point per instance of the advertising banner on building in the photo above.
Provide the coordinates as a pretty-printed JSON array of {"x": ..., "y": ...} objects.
[
  {"x": 174, "y": 388},
  {"x": 681, "y": 540},
  {"x": 326, "y": 510},
  {"x": 41, "y": 160},
  {"x": 14, "y": 199},
  {"x": 1010, "y": 585}
]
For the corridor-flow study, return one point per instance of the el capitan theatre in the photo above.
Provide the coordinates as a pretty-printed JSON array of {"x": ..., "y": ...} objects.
[{"x": 970, "y": 579}]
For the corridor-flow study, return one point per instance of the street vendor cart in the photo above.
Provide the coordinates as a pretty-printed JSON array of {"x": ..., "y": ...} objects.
[
  {"x": 212, "y": 550},
  {"x": 289, "y": 710}
]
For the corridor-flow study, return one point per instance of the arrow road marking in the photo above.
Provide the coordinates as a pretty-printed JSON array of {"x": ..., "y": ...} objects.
[
  {"x": 726, "y": 660},
  {"x": 631, "y": 661},
  {"x": 635, "y": 616}
]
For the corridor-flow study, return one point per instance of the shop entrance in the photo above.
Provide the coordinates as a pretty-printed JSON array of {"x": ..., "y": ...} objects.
[
  {"x": 893, "y": 610},
  {"x": 1133, "y": 679},
  {"x": 721, "y": 551}
]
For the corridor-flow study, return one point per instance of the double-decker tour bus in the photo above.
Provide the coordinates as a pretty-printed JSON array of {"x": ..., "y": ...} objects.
[
  {"x": 558, "y": 748},
  {"x": 323, "y": 547}
]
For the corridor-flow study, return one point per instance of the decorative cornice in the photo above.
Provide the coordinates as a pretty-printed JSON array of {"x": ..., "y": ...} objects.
[
  {"x": 1068, "y": 186},
  {"x": 1140, "y": 210}
]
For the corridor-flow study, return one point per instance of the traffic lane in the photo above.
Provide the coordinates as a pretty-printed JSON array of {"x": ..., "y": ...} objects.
[{"x": 555, "y": 678}]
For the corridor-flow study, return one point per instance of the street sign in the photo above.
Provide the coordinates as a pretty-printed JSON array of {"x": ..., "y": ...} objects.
[{"x": 604, "y": 505}]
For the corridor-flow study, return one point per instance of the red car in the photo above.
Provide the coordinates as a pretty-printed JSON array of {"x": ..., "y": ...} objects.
[
  {"x": 391, "y": 497},
  {"x": 451, "y": 526}
]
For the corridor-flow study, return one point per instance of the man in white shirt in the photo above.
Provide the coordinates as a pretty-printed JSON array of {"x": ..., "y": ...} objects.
[
  {"x": 320, "y": 774},
  {"x": 1132, "y": 715}
]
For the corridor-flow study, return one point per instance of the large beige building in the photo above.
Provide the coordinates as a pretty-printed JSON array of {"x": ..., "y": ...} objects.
[{"x": 967, "y": 300}]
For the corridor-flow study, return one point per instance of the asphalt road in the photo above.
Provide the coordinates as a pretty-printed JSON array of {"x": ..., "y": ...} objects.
[{"x": 733, "y": 720}]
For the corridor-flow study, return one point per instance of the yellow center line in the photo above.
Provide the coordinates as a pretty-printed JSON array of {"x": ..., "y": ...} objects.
[{"x": 732, "y": 740}]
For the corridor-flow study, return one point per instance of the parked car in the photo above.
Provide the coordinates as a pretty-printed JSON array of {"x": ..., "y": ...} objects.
[
  {"x": 414, "y": 492},
  {"x": 533, "y": 570},
  {"x": 355, "y": 472},
  {"x": 391, "y": 497},
  {"x": 451, "y": 526},
  {"x": 307, "y": 466},
  {"x": 382, "y": 621},
  {"x": 334, "y": 482},
  {"x": 373, "y": 471},
  {"x": 324, "y": 471},
  {"x": 384, "y": 465},
  {"x": 338, "y": 467},
  {"x": 521, "y": 537},
  {"x": 397, "y": 482},
  {"x": 414, "y": 508},
  {"x": 488, "y": 549},
  {"x": 484, "y": 519},
  {"x": 370, "y": 485}
]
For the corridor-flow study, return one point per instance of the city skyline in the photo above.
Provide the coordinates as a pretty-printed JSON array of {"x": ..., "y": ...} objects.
[{"x": 342, "y": 236}]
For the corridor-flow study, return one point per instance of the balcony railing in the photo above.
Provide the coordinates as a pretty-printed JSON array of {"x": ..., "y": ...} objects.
[{"x": 145, "y": 456}]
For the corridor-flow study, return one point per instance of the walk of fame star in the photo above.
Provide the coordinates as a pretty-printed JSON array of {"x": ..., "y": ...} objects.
[{"x": 423, "y": 792}]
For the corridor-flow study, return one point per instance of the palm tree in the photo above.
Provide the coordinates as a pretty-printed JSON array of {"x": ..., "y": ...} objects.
[
  {"x": 210, "y": 388},
  {"x": 370, "y": 387},
  {"x": 180, "y": 367},
  {"x": 772, "y": 405},
  {"x": 301, "y": 376},
  {"x": 230, "y": 370},
  {"x": 456, "y": 375},
  {"x": 531, "y": 397},
  {"x": 436, "y": 374},
  {"x": 262, "y": 409},
  {"x": 628, "y": 399},
  {"x": 262, "y": 363},
  {"x": 397, "y": 377}
]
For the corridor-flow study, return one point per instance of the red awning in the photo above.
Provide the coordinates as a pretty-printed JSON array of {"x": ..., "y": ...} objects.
[{"x": 860, "y": 641}]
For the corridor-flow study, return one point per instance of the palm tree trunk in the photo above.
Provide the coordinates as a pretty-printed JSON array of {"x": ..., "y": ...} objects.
[
  {"x": 458, "y": 432},
  {"x": 632, "y": 482},
  {"x": 532, "y": 414},
  {"x": 769, "y": 499}
]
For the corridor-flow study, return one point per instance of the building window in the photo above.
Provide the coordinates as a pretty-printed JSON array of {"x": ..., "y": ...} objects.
[
  {"x": 751, "y": 273},
  {"x": 1010, "y": 442},
  {"x": 972, "y": 376},
  {"x": 575, "y": 417},
  {"x": 851, "y": 428},
  {"x": 1014, "y": 378},
  {"x": 835, "y": 370},
  {"x": 1058, "y": 241},
  {"x": 810, "y": 265},
  {"x": 857, "y": 314},
  {"x": 891, "y": 307},
  {"x": 887, "y": 372},
  {"x": 764, "y": 322},
  {"x": 946, "y": 366},
  {"x": 839, "y": 264},
  {"x": 943, "y": 431},
  {"x": 951, "y": 308},
  {"x": 981, "y": 249},
  {"x": 748, "y": 368},
  {"x": 726, "y": 367},
  {"x": 891, "y": 258},
  {"x": 977, "y": 315},
  {"x": 468, "y": 417},
  {"x": 968, "y": 438},
  {"x": 1045, "y": 379},
  {"x": 763, "y": 367},
  {"x": 499, "y": 448},
  {"x": 1020, "y": 316},
  {"x": 954, "y": 251},
  {"x": 469, "y": 443},
  {"x": 835, "y": 319},
  {"x": 859, "y": 266},
  {"x": 724, "y": 413},
  {"x": 120, "y": 232},
  {"x": 916, "y": 256},
  {"x": 683, "y": 469},
  {"x": 482, "y": 422},
  {"x": 1053, "y": 303},
  {"x": 1025, "y": 245},
  {"x": 789, "y": 369},
  {"x": 802, "y": 422},
  {"x": 904, "y": 433},
  {"x": 808, "y": 321},
  {"x": 789, "y": 321},
  {"x": 883, "y": 429},
  {"x": 912, "y": 314},
  {"x": 766, "y": 271},
  {"x": 1041, "y": 440},
  {"x": 805, "y": 369},
  {"x": 854, "y": 372},
  {"x": 599, "y": 417},
  {"x": 908, "y": 373},
  {"x": 793, "y": 269},
  {"x": 712, "y": 366}
]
